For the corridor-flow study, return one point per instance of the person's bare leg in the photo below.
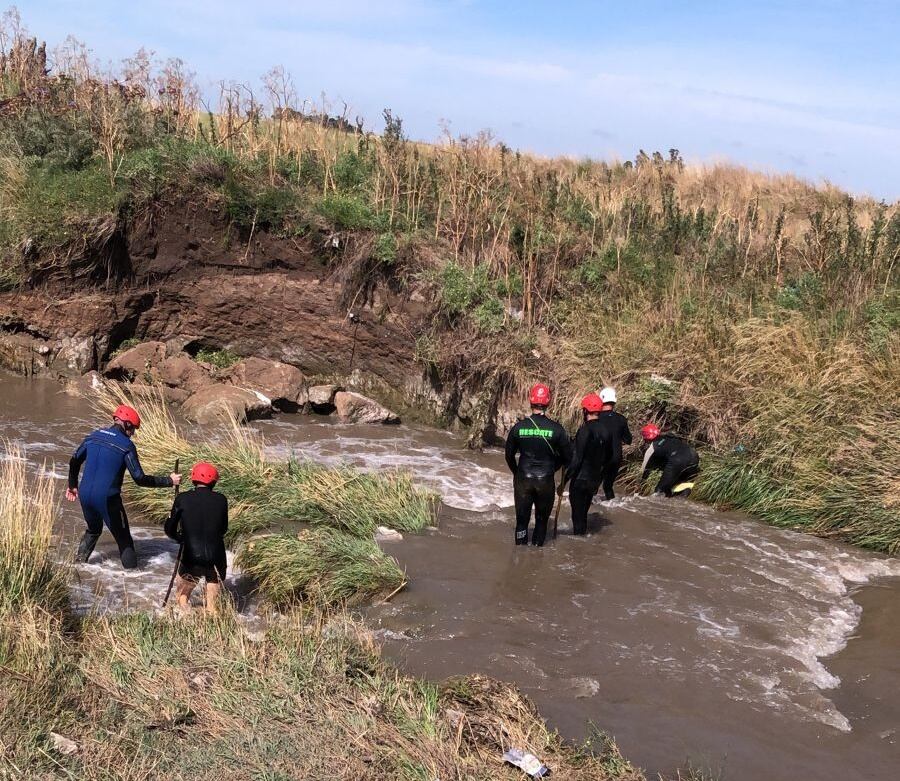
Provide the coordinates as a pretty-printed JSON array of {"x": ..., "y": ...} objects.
[
  {"x": 213, "y": 591},
  {"x": 183, "y": 590}
]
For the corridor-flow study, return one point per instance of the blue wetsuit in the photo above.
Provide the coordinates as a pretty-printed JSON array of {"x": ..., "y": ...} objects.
[{"x": 107, "y": 453}]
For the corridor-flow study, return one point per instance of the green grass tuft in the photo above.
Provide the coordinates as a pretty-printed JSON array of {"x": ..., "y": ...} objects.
[{"x": 324, "y": 566}]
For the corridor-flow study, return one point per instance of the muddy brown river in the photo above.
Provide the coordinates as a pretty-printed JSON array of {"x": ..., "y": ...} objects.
[{"x": 690, "y": 635}]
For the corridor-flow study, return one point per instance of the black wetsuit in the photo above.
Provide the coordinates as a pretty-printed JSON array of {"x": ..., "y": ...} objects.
[
  {"x": 542, "y": 446},
  {"x": 199, "y": 520},
  {"x": 108, "y": 453},
  {"x": 675, "y": 457},
  {"x": 592, "y": 453},
  {"x": 616, "y": 433}
]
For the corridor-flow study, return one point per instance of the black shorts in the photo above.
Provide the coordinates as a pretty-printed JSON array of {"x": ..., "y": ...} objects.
[{"x": 194, "y": 572}]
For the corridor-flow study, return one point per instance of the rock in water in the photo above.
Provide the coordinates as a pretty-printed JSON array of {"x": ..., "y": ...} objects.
[
  {"x": 321, "y": 398},
  {"x": 75, "y": 356},
  {"x": 216, "y": 403},
  {"x": 183, "y": 372},
  {"x": 85, "y": 385},
  {"x": 139, "y": 362},
  {"x": 284, "y": 384},
  {"x": 356, "y": 408},
  {"x": 385, "y": 534}
]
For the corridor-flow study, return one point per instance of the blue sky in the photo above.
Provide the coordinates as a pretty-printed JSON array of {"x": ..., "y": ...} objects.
[{"x": 807, "y": 87}]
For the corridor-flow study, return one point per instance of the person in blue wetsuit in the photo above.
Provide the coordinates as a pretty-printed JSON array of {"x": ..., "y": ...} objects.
[{"x": 106, "y": 454}]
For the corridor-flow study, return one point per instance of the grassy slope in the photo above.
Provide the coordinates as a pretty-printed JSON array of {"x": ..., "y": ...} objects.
[{"x": 771, "y": 307}]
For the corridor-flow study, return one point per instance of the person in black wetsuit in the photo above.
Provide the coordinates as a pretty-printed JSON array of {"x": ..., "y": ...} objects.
[
  {"x": 542, "y": 446},
  {"x": 585, "y": 472},
  {"x": 199, "y": 521},
  {"x": 106, "y": 454},
  {"x": 616, "y": 433},
  {"x": 678, "y": 461}
]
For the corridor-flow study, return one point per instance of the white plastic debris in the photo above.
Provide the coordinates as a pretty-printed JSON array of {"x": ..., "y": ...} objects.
[
  {"x": 384, "y": 534},
  {"x": 526, "y": 762},
  {"x": 62, "y": 744}
]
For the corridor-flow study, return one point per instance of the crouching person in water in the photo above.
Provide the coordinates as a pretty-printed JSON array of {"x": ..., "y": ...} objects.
[
  {"x": 589, "y": 462},
  {"x": 199, "y": 520},
  {"x": 106, "y": 454},
  {"x": 542, "y": 447},
  {"x": 678, "y": 461}
]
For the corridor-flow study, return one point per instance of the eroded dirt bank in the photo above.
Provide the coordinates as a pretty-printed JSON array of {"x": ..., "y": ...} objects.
[{"x": 184, "y": 273}]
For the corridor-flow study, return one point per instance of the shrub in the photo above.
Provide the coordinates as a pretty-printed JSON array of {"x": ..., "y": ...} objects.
[
  {"x": 347, "y": 212},
  {"x": 222, "y": 359}
]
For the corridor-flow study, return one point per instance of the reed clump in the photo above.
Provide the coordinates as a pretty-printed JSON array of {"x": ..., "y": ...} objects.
[
  {"x": 28, "y": 507},
  {"x": 319, "y": 565}
]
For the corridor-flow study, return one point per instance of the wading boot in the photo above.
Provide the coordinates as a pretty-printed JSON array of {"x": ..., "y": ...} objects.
[{"x": 86, "y": 547}]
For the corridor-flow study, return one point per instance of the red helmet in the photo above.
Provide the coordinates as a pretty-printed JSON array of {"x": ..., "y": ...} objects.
[
  {"x": 128, "y": 415},
  {"x": 592, "y": 403},
  {"x": 539, "y": 395},
  {"x": 650, "y": 432},
  {"x": 205, "y": 473}
]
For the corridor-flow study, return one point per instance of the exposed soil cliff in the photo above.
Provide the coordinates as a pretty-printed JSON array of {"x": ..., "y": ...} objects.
[{"x": 182, "y": 272}]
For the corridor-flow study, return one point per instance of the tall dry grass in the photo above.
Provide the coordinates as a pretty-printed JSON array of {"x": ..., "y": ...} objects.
[
  {"x": 33, "y": 585},
  {"x": 28, "y": 507}
]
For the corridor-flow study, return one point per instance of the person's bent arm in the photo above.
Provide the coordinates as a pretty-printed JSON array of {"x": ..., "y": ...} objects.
[
  {"x": 144, "y": 480},
  {"x": 75, "y": 463},
  {"x": 646, "y": 465},
  {"x": 626, "y": 433},
  {"x": 512, "y": 447},
  {"x": 576, "y": 460},
  {"x": 171, "y": 526}
]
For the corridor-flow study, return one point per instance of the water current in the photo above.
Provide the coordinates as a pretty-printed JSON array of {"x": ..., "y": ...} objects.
[{"x": 690, "y": 635}]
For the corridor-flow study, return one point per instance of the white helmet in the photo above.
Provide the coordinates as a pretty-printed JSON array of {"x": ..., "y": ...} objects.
[{"x": 608, "y": 395}]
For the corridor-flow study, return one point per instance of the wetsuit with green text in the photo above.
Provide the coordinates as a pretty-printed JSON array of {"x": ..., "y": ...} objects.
[
  {"x": 542, "y": 446},
  {"x": 199, "y": 520},
  {"x": 675, "y": 457},
  {"x": 585, "y": 473},
  {"x": 616, "y": 432},
  {"x": 106, "y": 454}
]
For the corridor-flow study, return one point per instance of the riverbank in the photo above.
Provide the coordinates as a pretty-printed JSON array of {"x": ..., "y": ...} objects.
[
  {"x": 618, "y": 630},
  {"x": 135, "y": 695},
  {"x": 757, "y": 315}
]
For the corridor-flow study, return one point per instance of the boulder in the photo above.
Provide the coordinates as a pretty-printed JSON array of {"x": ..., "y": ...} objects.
[
  {"x": 23, "y": 354},
  {"x": 219, "y": 402},
  {"x": 178, "y": 344},
  {"x": 170, "y": 395},
  {"x": 321, "y": 398},
  {"x": 356, "y": 408},
  {"x": 84, "y": 385},
  {"x": 139, "y": 362},
  {"x": 183, "y": 372},
  {"x": 75, "y": 356},
  {"x": 284, "y": 384}
]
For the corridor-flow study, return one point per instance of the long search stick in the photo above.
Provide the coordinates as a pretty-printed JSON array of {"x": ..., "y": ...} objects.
[
  {"x": 177, "y": 558},
  {"x": 559, "y": 502}
]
